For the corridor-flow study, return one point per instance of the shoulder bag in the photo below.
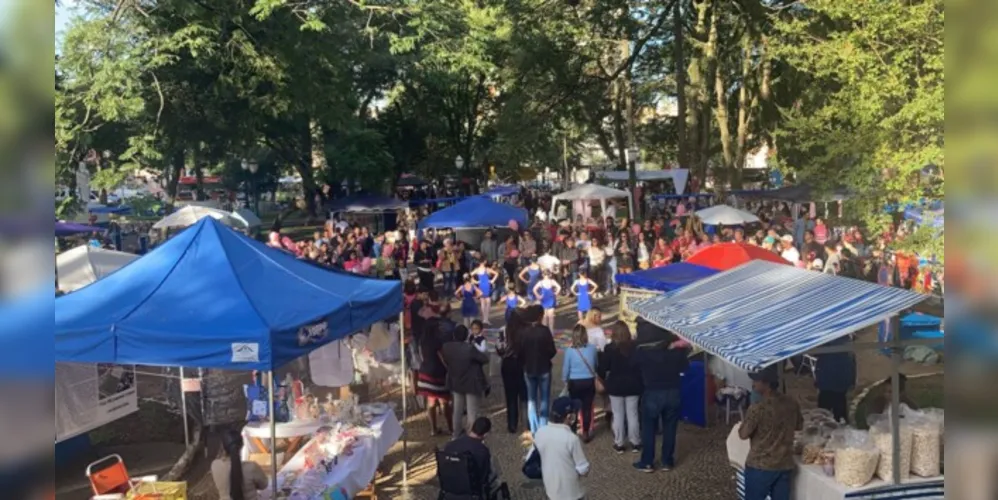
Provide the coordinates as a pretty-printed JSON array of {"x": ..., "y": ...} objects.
[{"x": 597, "y": 381}]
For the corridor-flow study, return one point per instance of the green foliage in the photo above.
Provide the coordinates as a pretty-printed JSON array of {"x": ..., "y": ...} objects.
[{"x": 873, "y": 116}]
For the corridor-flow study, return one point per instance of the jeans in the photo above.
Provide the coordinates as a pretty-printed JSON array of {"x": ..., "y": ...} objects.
[
  {"x": 655, "y": 405},
  {"x": 450, "y": 283},
  {"x": 538, "y": 399},
  {"x": 611, "y": 281},
  {"x": 584, "y": 390},
  {"x": 625, "y": 411},
  {"x": 514, "y": 389},
  {"x": 760, "y": 484},
  {"x": 462, "y": 402}
]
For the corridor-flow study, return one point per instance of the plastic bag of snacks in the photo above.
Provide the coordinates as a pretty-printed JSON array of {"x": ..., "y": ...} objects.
[
  {"x": 926, "y": 441},
  {"x": 856, "y": 459},
  {"x": 884, "y": 439}
]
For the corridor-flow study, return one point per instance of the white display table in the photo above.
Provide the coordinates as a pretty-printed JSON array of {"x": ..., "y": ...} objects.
[
  {"x": 295, "y": 432},
  {"x": 354, "y": 469},
  {"x": 811, "y": 483}
]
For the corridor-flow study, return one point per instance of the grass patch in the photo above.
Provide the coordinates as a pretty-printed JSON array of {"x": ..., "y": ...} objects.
[{"x": 926, "y": 392}]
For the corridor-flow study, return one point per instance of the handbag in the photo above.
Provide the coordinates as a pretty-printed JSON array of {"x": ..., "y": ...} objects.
[{"x": 597, "y": 381}]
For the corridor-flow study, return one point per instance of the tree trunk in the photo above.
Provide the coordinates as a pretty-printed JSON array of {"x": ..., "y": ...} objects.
[
  {"x": 304, "y": 166},
  {"x": 744, "y": 113},
  {"x": 721, "y": 114},
  {"x": 677, "y": 55},
  {"x": 198, "y": 175},
  {"x": 710, "y": 64},
  {"x": 173, "y": 177}
]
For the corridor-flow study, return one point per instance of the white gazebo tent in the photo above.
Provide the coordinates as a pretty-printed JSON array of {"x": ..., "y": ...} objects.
[
  {"x": 589, "y": 192},
  {"x": 83, "y": 265},
  {"x": 190, "y": 214},
  {"x": 727, "y": 215}
]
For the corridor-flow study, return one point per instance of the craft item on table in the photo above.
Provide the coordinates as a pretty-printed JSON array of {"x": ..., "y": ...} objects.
[
  {"x": 332, "y": 365},
  {"x": 329, "y": 407},
  {"x": 281, "y": 411},
  {"x": 335, "y": 493}
]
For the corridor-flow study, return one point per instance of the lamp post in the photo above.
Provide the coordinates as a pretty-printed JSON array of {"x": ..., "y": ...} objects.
[
  {"x": 459, "y": 162},
  {"x": 252, "y": 167}
]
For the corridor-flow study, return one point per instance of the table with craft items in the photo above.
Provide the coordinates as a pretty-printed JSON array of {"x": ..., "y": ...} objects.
[
  {"x": 293, "y": 434},
  {"x": 344, "y": 472}
]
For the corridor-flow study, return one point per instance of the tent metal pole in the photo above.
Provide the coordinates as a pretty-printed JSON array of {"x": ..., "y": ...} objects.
[
  {"x": 273, "y": 432},
  {"x": 896, "y": 398},
  {"x": 405, "y": 408},
  {"x": 183, "y": 409}
]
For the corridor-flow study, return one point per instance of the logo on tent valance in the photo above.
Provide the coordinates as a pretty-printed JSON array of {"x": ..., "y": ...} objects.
[{"x": 313, "y": 334}]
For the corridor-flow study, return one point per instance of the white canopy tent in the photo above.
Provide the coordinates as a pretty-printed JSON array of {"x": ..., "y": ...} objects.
[
  {"x": 190, "y": 214},
  {"x": 83, "y": 265},
  {"x": 589, "y": 192},
  {"x": 247, "y": 217},
  {"x": 725, "y": 214},
  {"x": 678, "y": 176}
]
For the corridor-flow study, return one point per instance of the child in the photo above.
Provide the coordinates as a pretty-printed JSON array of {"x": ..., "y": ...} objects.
[
  {"x": 583, "y": 288},
  {"x": 512, "y": 300},
  {"x": 477, "y": 337},
  {"x": 468, "y": 293}
]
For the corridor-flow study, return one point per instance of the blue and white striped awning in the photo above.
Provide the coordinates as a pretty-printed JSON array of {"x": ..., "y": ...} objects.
[{"x": 760, "y": 313}]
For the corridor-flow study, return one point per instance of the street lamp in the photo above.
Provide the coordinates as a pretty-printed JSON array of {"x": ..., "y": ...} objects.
[
  {"x": 459, "y": 162},
  {"x": 252, "y": 167}
]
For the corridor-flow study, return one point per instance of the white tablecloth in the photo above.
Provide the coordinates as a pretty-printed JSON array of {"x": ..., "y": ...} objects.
[
  {"x": 261, "y": 430},
  {"x": 354, "y": 472}
]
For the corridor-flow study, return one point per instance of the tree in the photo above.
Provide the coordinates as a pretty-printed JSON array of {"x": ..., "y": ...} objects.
[{"x": 873, "y": 117}]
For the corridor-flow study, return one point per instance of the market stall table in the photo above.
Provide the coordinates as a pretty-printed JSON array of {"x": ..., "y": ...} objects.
[
  {"x": 811, "y": 483},
  {"x": 353, "y": 468},
  {"x": 295, "y": 433}
]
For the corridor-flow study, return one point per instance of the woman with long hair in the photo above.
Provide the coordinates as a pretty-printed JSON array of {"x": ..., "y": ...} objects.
[
  {"x": 584, "y": 288},
  {"x": 547, "y": 289},
  {"x": 486, "y": 277},
  {"x": 579, "y": 373},
  {"x": 530, "y": 276},
  {"x": 623, "y": 385},
  {"x": 235, "y": 479},
  {"x": 511, "y": 370},
  {"x": 431, "y": 380}
]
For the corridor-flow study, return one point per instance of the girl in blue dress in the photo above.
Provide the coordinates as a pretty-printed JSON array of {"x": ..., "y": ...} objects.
[
  {"x": 548, "y": 289},
  {"x": 468, "y": 292},
  {"x": 485, "y": 277},
  {"x": 531, "y": 275},
  {"x": 512, "y": 300},
  {"x": 583, "y": 288}
]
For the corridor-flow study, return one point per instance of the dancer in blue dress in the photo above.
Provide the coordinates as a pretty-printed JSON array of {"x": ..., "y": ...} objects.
[
  {"x": 468, "y": 293},
  {"x": 548, "y": 289},
  {"x": 512, "y": 300},
  {"x": 531, "y": 275},
  {"x": 486, "y": 277},
  {"x": 583, "y": 288}
]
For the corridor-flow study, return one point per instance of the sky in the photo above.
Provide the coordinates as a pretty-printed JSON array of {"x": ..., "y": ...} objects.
[{"x": 62, "y": 14}]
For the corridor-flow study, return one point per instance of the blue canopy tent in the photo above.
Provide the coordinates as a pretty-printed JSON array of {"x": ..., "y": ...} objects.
[
  {"x": 498, "y": 191},
  {"x": 666, "y": 278},
  {"x": 367, "y": 203},
  {"x": 213, "y": 298},
  {"x": 475, "y": 212},
  {"x": 436, "y": 201}
]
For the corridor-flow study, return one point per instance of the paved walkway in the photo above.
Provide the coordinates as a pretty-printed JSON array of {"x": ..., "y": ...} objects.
[{"x": 701, "y": 472}]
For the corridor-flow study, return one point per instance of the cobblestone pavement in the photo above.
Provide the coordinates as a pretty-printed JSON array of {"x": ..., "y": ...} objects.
[{"x": 702, "y": 468}]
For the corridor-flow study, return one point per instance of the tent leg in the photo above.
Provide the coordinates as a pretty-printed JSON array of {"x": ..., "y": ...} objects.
[
  {"x": 896, "y": 398},
  {"x": 405, "y": 409},
  {"x": 273, "y": 433},
  {"x": 183, "y": 409}
]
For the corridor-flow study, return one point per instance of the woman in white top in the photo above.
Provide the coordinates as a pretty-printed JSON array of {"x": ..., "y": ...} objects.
[
  {"x": 593, "y": 321},
  {"x": 597, "y": 259},
  {"x": 644, "y": 258},
  {"x": 236, "y": 483}
]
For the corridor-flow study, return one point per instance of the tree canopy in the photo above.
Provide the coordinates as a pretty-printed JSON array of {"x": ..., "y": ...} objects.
[{"x": 364, "y": 90}]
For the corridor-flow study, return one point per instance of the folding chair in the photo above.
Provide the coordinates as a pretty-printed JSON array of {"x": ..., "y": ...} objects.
[{"x": 111, "y": 478}]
